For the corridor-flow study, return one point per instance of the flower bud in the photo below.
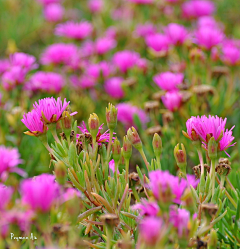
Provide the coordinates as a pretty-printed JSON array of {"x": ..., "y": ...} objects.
[
  {"x": 60, "y": 172},
  {"x": 134, "y": 138},
  {"x": 197, "y": 170},
  {"x": 212, "y": 148},
  {"x": 111, "y": 116},
  {"x": 93, "y": 123},
  {"x": 213, "y": 239},
  {"x": 157, "y": 145},
  {"x": 110, "y": 220},
  {"x": 66, "y": 121},
  {"x": 181, "y": 158},
  {"x": 116, "y": 150},
  {"x": 127, "y": 148}
]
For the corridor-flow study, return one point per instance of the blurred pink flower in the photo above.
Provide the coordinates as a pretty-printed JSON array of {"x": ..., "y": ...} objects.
[
  {"x": 143, "y": 30},
  {"x": 111, "y": 166},
  {"x": 146, "y": 208},
  {"x": 150, "y": 230},
  {"x": 197, "y": 8},
  {"x": 168, "y": 81},
  {"x": 95, "y": 70},
  {"x": 125, "y": 60},
  {"x": 111, "y": 32},
  {"x": 53, "y": 12},
  {"x": 46, "y": 2},
  {"x": 87, "y": 48},
  {"x": 207, "y": 21},
  {"x": 141, "y": 1},
  {"x": 50, "y": 109},
  {"x": 5, "y": 196},
  {"x": 46, "y": 82},
  {"x": 74, "y": 30},
  {"x": 25, "y": 61},
  {"x": 176, "y": 33},
  {"x": 126, "y": 114},
  {"x": 95, "y": 6},
  {"x": 158, "y": 42},
  {"x": 4, "y": 65},
  {"x": 40, "y": 193},
  {"x": 105, "y": 44},
  {"x": 208, "y": 37},
  {"x": 9, "y": 160},
  {"x": 113, "y": 87},
  {"x": 230, "y": 55},
  {"x": 172, "y": 100},
  {"x": 180, "y": 218},
  {"x": 84, "y": 81},
  {"x": 59, "y": 53}
]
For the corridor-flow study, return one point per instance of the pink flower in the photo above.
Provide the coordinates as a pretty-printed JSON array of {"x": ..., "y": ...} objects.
[
  {"x": 111, "y": 32},
  {"x": 59, "y": 53},
  {"x": 87, "y": 48},
  {"x": 141, "y": 1},
  {"x": 126, "y": 114},
  {"x": 5, "y": 196},
  {"x": 111, "y": 166},
  {"x": 83, "y": 81},
  {"x": 180, "y": 218},
  {"x": 208, "y": 37},
  {"x": 147, "y": 208},
  {"x": 207, "y": 21},
  {"x": 176, "y": 33},
  {"x": 125, "y": 60},
  {"x": 46, "y": 2},
  {"x": 13, "y": 77},
  {"x": 197, "y": 8},
  {"x": 33, "y": 122},
  {"x": 4, "y": 66},
  {"x": 50, "y": 110},
  {"x": 101, "y": 138},
  {"x": 40, "y": 193},
  {"x": 25, "y": 61},
  {"x": 74, "y": 30},
  {"x": 230, "y": 55},
  {"x": 172, "y": 100},
  {"x": 95, "y": 6},
  {"x": 113, "y": 87},
  {"x": 9, "y": 160},
  {"x": 143, "y": 30},
  {"x": 158, "y": 42},
  {"x": 95, "y": 70},
  {"x": 46, "y": 81},
  {"x": 105, "y": 44},
  {"x": 69, "y": 194},
  {"x": 150, "y": 230},
  {"x": 168, "y": 81},
  {"x": 53, "y": 12}
]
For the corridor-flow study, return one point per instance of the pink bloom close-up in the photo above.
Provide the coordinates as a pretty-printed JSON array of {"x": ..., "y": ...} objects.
[
  {"x": 143, "y": 30},
  {"x": 172, "y": 100},
  {"x": 5, "y": 196},
  {"x": 158, "y": 42},
  {"x": 111, "y": 166},
  {"x": 95, "y": 6},
  {"x": 146, "y": 208},
  {"x": 113, "y": 87},
  {"x": 176, "y": 33},
  {"x": 26, "y": 61},
  {"x": 53, "y": 12},
  {"x": 105, "y": 44}
]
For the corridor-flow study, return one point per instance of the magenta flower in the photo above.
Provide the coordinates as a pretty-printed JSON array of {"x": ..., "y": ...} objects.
[
  {"x": 74, "y": 30},
  {"x": 126, "y": 114},
  {"x": 105, "y": 44},
  {"x": 141, "y": 1},
  {"x": 5, "y": 196},
  {"x": 168, "y": 81},
  {"x": 83, "y": 81},
  {"x": 4, "y": 66},
  {"x": 101, "y": 138},
  {"x": 125, "y": 60},
  {"x": 33, "y": 122},
  {"x": 197, "y": 8},
  {"x": 53, "y": 12},
  {"x": 111, "y": 166},
  {"x": 46, "y": 82},
  {"x": 40, "y": 193},
  {"x": 176, "y": 33},
  {"x": 59, "y": 53},
  {"x": 87, "y": 48},
  {"x": 50, "y": 110},
  {"x": 145, "y": 30},
  {"x": 113, "y": 87},
  {"x": 230, "y": 55},
  {"x": 46, "y": 2},
  {"x": 179, "y": 218},
  {"x": 95, "y": 70},
  {"x": 9, "y": 160},
  {"x": 25, "y": 61},
  {"x": 208, "y": 37},
  {"x": 146, "y": 208},
  {"x": 207, "y": 21},
  {"x": 95, "y": 6},
  {"x": 172, "y": 100},
  {"x": 158, "y": 42},
  {"x": 150, "y": 230}
]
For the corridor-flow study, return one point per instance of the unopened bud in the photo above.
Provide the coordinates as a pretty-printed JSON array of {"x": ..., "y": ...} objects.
[
  {"x": 60, "y": 172},
  {"x": 181, "y": 158},
  {"x": 66, "y": 121},
  {"x": 111, "y": 116},
  {"x": 157, "y": 145},
  {"x": 110, "y": 220},
  {"x": 93, "y": 123},
  {"x": 127, "y": 148},
  {"x": 213, "y": 239},
  {"x": 212, "y": 148},
  {"x": 116, "y": 150},
  {"x": 134, "y": 138}
]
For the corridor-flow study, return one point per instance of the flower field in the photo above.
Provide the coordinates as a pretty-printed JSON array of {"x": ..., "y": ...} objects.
[{"x": 119, "y": 124}]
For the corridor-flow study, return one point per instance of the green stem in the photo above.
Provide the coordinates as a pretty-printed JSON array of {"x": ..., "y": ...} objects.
[
  {"x": 52, "y": 128},
  {"x": 127, "y": 170},
  {"x": 144, "y": 158},
  {"x": 109, "y": 144},
  {"x": 109, "y": 237},
  {"x": 159, "y": 162},
  {"x": 201, "y": 160},
  {"x": 222, "y": 181},
  {"x": 213, "y": 163},
  {"x": 135, "y": 194},
  {"x": 44, "y": 140}
]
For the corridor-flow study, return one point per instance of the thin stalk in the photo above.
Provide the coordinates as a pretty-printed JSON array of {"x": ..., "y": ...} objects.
[
  {"x": 222, "y": 181},
  {"x": 201, "y": 160},
  {"x": 230, "y": 184},
  {"x": 159, "y": 162},
  {"x": 135, "y": 194},
  {"x": 144, "y": 158},
  {"x": 213, "y": 163},
  {"x": 52, "y": 128},
  {"x": 109, "y": 143},
  {"x": 44, "y": 140},
  {"x": 109, "y": 237},
  {"x": 127, "y": 170}
]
